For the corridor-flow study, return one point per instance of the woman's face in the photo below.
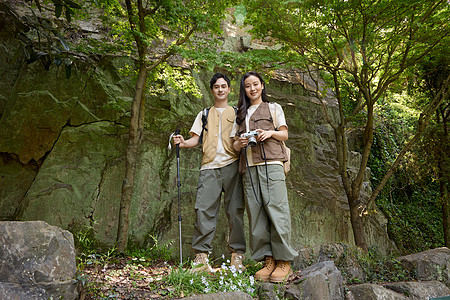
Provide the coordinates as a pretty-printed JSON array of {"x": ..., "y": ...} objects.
[{"x": 253, "y": 89}]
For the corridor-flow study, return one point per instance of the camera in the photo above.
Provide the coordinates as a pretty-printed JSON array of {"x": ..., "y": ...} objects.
[{"x": 251, "y": 136}]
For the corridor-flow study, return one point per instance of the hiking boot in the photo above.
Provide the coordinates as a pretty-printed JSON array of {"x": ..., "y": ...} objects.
[
  {"x": 264, "y": 273},
  {"x": 237, "y": 260},
  {"x": 281, "y": 272},
  {"x": 201, "y": 263}
]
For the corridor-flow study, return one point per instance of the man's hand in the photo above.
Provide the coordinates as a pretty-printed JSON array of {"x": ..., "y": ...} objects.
[{"x": 178, "y": 139}]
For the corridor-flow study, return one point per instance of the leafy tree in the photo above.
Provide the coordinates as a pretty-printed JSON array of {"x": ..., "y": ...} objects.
[
  {"x": 436, "y": 143},
  {"x": 362, "y": 49},
  {"x": 38, "y": 35},
  {"x": 153, "y": 31}
]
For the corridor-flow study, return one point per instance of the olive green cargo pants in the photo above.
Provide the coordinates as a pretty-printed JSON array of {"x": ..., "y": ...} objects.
[
  {"x": 211, "y": 184},
  {"x": 268, "y": 213}
]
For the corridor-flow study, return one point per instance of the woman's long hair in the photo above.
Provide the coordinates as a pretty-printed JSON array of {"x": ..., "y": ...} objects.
[{"x": 244, "y": 101}]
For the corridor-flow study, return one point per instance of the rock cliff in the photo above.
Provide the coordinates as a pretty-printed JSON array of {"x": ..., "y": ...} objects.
[{"x": 62, "y": 143}]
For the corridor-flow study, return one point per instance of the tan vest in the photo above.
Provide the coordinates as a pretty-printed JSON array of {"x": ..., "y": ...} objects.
[
  {"x": 273, "y": 149},
  {"x": 211, "y": 134}
]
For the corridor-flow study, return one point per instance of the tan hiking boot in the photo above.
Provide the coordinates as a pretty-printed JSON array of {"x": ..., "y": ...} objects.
[
  {"x": 201, "y": 263},
  {"x": 264, "y": 273},
  {"x": 281, "y": 272},
  {"x": 237, "y": 260}
]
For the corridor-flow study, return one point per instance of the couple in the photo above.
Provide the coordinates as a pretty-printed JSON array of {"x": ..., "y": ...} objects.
[{"x": 263, "y": 178}]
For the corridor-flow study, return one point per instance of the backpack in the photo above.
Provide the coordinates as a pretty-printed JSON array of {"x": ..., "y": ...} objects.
[
  {"x": 205, "y": 113},
  {"x": 286, "y": 164}
]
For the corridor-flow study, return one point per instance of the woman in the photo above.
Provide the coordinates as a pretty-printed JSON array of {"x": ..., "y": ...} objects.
[{"x": 264, "y": 179}]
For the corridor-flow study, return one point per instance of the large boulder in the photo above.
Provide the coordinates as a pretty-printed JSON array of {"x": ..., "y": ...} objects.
[
  {"x": 433, "y": 264},
  {"x": 319, "y": 281},
  {"x": 398, "y": 291},
  {"x": 37, "y": 261},
  {"x": 420, "y": 290},
  {"x": 369, "y": 291},
  {"x": 344, "y": 256}
]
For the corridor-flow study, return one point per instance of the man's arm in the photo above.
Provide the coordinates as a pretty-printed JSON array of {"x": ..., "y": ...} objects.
[{"x": 190, "y": 143}]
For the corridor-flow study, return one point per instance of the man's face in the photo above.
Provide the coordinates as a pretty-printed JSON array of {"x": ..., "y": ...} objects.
[{"x": 220, "y": 89}]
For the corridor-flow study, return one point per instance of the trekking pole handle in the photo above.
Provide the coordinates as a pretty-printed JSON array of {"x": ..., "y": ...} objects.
[{"x": 177, "y": 132}]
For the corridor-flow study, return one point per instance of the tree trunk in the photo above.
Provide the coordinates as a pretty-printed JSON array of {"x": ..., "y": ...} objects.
[
  {"x": 445, "y": 213},
  {"x": 443, "y": 181},
  {"x": 130, "y": 165},
  {"x": 357, "y": 224},
  {"x": 356, "y": 218}
]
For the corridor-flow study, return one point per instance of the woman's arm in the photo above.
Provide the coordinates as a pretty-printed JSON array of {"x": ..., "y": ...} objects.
[{"x": 281, "y": 134}]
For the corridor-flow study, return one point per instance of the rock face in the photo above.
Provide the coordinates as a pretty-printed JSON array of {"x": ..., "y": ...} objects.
[
  {"x": 433, "y": 264},
  {"x": 63, "y": 141},
  {"x": 320, "y": 281},
  {"x": 37, "y": 261},
  {"x": 399, "y": 291}
]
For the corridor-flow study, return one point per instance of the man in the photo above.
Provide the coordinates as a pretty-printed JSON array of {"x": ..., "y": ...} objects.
[{"x": 219, "y": 173}]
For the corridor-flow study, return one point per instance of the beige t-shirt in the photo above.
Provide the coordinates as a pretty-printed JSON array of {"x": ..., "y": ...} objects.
[{"x": 222, "y": 158}]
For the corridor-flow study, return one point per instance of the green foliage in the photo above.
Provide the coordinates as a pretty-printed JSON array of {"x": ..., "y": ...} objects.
[
  {"x": 41, "y": 40},
  {"x": 409, "y": 199},
  {"x": 164, "y": 22},
  {"x": 84, "y": 241},
  {"x": 157, "y": 251},
  {"x": 227, "y": 279},
  {"x": 166, "y": 78},
  {"x": 67, "y": 6},
  {"x": 415, "y": 221},
  {"x": 88, "y": 250},
  {"x": 379, "y": 269},
  {"x": 396, "y": 120}
]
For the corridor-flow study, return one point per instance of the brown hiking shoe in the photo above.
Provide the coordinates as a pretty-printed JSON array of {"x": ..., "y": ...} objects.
[
  {"x": 237, "y": 260},
  {"x": 201, "y": 263},
  {"x": 281, "y": 272},
  {"x": 264, "y": 273}
]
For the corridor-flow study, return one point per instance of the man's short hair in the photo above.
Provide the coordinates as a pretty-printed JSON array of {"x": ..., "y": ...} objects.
[{"x": 216, "y": 77}]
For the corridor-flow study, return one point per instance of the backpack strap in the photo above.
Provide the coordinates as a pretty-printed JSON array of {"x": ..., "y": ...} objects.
[
  {"x": 273, "y": 116},
  {"x": 205, "y": 113}
]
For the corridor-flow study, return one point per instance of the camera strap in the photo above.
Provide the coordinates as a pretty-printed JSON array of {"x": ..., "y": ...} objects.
[
  {"x": 250, "y": 176},
  {"x": 267, "y": 172}
]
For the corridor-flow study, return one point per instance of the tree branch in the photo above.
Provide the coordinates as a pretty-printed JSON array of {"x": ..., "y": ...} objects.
[
  {"x": 170, "y": 51},
  {"x": 423, "y": 119}
]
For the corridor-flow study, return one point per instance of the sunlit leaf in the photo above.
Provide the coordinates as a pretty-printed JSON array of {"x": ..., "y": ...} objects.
[{"x": 63, "y": 42}]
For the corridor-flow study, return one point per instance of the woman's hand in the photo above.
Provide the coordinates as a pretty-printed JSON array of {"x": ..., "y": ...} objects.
[
  {"x": 281, "y": 134},
  {"x": 239, "y": 143},
  {"x": 264, "y": 135}
]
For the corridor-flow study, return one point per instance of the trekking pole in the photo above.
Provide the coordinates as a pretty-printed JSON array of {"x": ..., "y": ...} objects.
[{"x": 179, "y": 192}]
